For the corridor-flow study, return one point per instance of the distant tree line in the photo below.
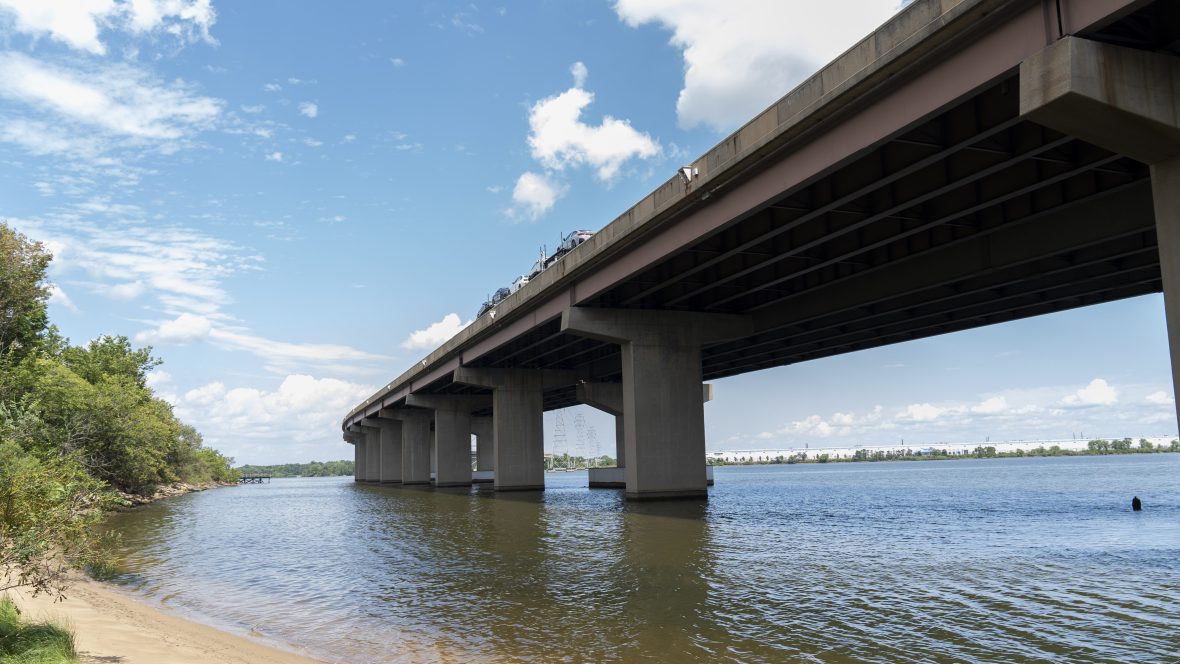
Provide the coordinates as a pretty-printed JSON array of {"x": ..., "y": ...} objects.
[
  {"x": 75, "y": 423},
  {"x": 313, "y": 469},
  {"x": 1094, "y": 447},
  {"x": 565, "y": 461}
]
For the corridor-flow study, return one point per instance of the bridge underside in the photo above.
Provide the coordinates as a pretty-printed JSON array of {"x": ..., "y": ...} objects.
[
  {"x": 971, "y": 217},
  {"x": 1005, "y": 202}
]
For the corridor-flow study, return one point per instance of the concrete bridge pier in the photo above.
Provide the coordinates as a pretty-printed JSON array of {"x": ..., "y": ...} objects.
[
  {"x": 485, "y": 450},
  {"x": 663, "y": 427},
  {"x": 358, "y": 453},
  {"x": 608, "y": 397},
  {"x": 452, "y": 434},
  {"x": 1127, "y": 101},
  {"x": 518, "y": 431},
  {"x": 372, "y": 452},
  {"x": 664, "y": 423},
  {"x": 416, "y": 438},
  {"x": 386, "y": 469},
  {"x": 389, "y": 468}
]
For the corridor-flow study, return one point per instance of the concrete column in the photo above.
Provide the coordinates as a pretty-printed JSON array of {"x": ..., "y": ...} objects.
[
  {"x": 416, "y": 440},
  {"x": 390, "y": 471},
  {"x": 517, "y": 398},
  {"x": 608, "y": 397},
  {"x": 1165, "y": 193},
  {"x": 1127, "y": 101},
  {"x": 372, "y": 453},
  {"x": 360, "y": 439},
  {"x": 664, "y": 426},
  {"x": 452, "y": 434},
  {"x": 358, "y": 454}
]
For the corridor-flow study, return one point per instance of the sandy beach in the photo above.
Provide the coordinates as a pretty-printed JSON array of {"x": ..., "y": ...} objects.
[{"x": 115, "y": 628}]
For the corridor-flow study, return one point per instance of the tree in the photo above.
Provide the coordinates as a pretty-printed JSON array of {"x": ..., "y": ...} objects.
[{"x": 23, "y": 292}]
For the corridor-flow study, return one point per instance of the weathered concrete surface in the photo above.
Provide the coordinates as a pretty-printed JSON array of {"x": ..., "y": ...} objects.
[
  {"x": 1165, "y": 183},
  {"x": 372, "y": 452},
  {"x": 452, "y": 434},
  {"x": 416, "y": 439},
  {"x": 391, "y": 452},
  {"x": 1122, "y": 99}
]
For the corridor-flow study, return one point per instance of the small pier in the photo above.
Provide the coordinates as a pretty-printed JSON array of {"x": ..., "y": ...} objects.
[{"x": 254, "y": 479}]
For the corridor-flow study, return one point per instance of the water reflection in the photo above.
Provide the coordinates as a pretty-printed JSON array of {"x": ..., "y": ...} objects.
[{"x": 963, "y": 561}]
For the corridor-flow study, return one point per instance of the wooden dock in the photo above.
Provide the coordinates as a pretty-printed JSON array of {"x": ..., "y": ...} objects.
[{"x": 253, "y": 479}]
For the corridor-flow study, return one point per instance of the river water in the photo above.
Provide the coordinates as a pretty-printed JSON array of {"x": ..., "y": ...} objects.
[{"x": 982, "y": 560}]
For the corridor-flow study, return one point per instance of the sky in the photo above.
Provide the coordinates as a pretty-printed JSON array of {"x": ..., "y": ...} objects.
[{"x": 293, "y": 203}]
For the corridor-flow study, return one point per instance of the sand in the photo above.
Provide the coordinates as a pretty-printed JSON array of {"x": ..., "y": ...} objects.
[{"x": 114, "y": 628}]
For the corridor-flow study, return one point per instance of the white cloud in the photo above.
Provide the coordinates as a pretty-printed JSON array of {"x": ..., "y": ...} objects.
[
  {"x": 275, "y": 156},
  {"x": 397, "y": 62},
  {"x": 256, "y": 108},
  {"x": 536, "y": 193},
  {"x": 158, "y": 379},
  {"x": 58, "y": 296},
  {"x": 1097, "y": 393},
  {"x": 580, "y": 72},
  {"x": 559, "y": 139},
  {"x": 283, "y": 354},
  {"x": 1160, "y": 398},
  {"x": 742, "y": 55},
  {"x": 435, "y": 334},
  {"x": 272, "y": 87},
  {"x": 991, "y": 406},
  {"x": 77, "y": 23},
  {"x": 88, "y": 112},
  {"x": 186, "y": 328},
  {"x": 308, "y": 109},
  {"x": 920, "y": 412},
  {"x": 124, "y": 291},
  {"x": 302, "y": 408}
]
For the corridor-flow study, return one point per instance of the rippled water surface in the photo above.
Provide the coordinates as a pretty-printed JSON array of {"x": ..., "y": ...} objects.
[{"x": 990, "y": 560}]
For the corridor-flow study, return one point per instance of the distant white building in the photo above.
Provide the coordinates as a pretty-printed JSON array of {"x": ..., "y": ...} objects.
[{"x": 956, "y": 449}]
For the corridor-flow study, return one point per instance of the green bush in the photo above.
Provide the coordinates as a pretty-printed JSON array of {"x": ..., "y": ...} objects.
[
  {"x": 32, "y": 643},
  {"x": 50, "y": 509}
]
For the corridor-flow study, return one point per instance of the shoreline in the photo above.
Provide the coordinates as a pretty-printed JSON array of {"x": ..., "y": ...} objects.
[
  {"x": 112, "y": 626},
  {"x": 163, "y": 491}
]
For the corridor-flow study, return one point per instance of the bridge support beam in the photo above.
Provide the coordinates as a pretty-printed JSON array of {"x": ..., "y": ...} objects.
[
  {"x": 1124, "y": 100},
  {"x": 358, "y": 453},
  {"x": 485, "y": 449},
  {"x": 608, "y": 397},
  {"x": 517, "y": 408},
  {"x": 452, "y": 434},
  {"x": 664, "y": 422},
  {"x": 389, "y": 448},
  {"x": 415, "y": 425},
  {"x": 372, "y": 452},
  {"x": 389, "y": 469}
]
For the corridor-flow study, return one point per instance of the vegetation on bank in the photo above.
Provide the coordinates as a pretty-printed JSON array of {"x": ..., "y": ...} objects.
[
  {"x": 76, "y": 422},
  {"x": 1094, "y": 448},
  {"x": 313, "y": 469},
  {"x": 33, "y": 643}
]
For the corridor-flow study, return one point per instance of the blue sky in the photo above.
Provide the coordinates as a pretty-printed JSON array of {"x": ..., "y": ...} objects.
[{"x": 294, "y": 203}]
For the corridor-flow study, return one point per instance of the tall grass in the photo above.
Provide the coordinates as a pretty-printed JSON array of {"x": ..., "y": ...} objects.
[{"x": 33, "y": 643}]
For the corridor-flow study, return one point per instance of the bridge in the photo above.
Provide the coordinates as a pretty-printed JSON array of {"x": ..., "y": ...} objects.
[{"x": 971, "y": 162}]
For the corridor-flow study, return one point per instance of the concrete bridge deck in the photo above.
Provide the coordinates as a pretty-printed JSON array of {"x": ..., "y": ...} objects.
[{"x": 970, "y": 162}]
